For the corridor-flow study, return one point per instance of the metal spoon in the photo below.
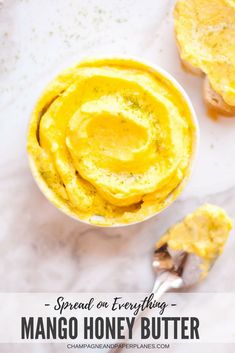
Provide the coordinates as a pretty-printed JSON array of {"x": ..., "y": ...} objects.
[{"x": 174, "y": 269}]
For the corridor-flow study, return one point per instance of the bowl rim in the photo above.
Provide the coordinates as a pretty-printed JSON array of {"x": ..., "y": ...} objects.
[{"x": 196, "y": 140}]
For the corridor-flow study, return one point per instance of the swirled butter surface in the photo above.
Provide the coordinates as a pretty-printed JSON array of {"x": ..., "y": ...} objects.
[{"x": 110, "y": 141}]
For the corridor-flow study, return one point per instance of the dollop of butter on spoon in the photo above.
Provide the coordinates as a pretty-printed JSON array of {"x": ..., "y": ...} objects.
[{"x": 203, "y": 233}]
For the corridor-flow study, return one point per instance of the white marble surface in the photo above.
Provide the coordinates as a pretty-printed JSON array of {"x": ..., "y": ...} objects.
[{"x": 40, "y": 248}]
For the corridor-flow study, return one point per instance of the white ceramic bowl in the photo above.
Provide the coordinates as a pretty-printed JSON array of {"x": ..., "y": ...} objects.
[{"x": 41, "y": 183}]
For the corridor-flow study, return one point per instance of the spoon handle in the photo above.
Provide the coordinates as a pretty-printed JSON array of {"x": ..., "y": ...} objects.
[{"x": 163, "y": 283}]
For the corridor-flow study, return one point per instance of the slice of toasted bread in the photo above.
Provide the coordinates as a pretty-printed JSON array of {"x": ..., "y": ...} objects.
[{"x": 184, "y": 27}]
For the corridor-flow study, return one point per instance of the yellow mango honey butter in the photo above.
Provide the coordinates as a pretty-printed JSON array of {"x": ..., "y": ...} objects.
[
  {"x": 205, "y": 33},
  {"x": 204, "y": 233},
  {"x": 111, "y": 141}
]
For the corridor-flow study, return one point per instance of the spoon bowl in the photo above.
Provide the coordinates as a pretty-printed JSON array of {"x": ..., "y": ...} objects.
[{"x": 178, "y": 268}]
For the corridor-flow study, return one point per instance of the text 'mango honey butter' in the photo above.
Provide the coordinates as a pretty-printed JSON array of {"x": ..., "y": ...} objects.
[{"x": 111, "y": 141}]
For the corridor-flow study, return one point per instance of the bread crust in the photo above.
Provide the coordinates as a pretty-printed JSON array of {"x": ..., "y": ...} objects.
[
  {"x": 190, "y": 68},
  {"x": 212, "y": 99},
  {"x": 215, "y": 101}
]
